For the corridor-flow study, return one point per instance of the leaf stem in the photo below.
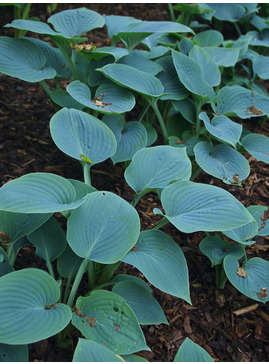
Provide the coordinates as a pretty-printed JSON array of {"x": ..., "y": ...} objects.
[
  {"x": 86, "y": 172},
  {"x": 171, "y": 12},
  {"x": 77, "y": 281},
  {"x": 50, "y": 268},
  {"x": 66, "y": 289},
  {"x": 221, "y": 277},
  {"x": 154, "y": 105},
  {"x": 45, "y": 87},
  {"x": 161, "y": 223}
]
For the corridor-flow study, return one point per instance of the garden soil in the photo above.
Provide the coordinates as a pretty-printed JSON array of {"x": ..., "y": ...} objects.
[{"x": 26, "y": 146}]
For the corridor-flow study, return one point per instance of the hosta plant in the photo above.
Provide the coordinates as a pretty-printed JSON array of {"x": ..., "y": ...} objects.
[{"x": 192, "y": 88}]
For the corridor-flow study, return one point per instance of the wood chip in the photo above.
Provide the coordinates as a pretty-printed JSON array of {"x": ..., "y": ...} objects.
[{"x": 244, "y": 310}]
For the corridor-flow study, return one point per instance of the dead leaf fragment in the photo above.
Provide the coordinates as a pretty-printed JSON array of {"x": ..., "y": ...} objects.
[{"x": 241, "y": 273}]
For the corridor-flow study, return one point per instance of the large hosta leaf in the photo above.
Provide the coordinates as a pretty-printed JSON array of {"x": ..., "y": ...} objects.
[
  {"x": 105, "y": 229},
  {"x": 146, "y": 308},
  {"x": 190, "y": 74},
  {"x": 260, "y": 214},
  {"x": 208, "y": 38},
  {"x": 30, "y": 311},
  {"x": 222, "y": 128},
  {"x": 133, "y": 79},
  {"x": 243, "y": 234},
  {"x": 226, "y": 57},
  {"x": 114, "y": 99},
  {"x": 131, "y": 137},
  {"x": 13, "y": 353},
  {"x": 142, "y": 64},
  {"x": 162, "y": 262},
  {"x": 22, "y": 59},
  {"x": 239, "y": 101},
  {"x": 76, "y": 22},
  {"x": 195, "y": 206},
  {"x": 216, "y": 249},
  {"x": 252, "y": 279},
  {"x": 107, "y": 319},
  {"x": 38, "y": 193},
  {"x": 156, "y": 167},
  {"x": 17, "y": 225},
  {"x": 260, "y": 67},
  {"x": 228, "y": 12},
  {"x": 49, "y": 240},
  {"x": 191, "y": 352},
  {"x": 91, "y": 351},
  {"x": 222, "y": 162},
  {"x": 81, "y": 136},
  {"x": 210, "y": 70},
  {"x": 33, "y": 26},
  {"x": 257, "y": 145}
]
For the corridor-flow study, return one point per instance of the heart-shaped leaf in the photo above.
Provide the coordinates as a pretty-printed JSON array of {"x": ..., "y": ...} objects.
[
  {"x": 191, "y": 352},
  {"x": 241, "y": 102},
  {"x": 216, "y": 249},
  {"x": 252, "y": 279},
  {"x": 76, "y": 22},
  {"x": 142, "y": 64},
  {"x": 162, "y": 262},
  {"x": 146, "y": 308},
  {"x": 63, "y": 99},
  {"x": 222, "y": 162},
  {"x": 49, "y": 240},
  {"x": 133, "y": 79},
  {"x": 257, "y": 145},
  {"x": 22, "y": 59},
  {"x": 91, "y": 351},
  {"x": 156, "y": 167},
  {"x": 228, "y": 12},
  {"x": 17, "y": 225},
  {"x": 226, "y": 57},
  {"x": 208, "y": 38},
  {"x": 193, "y": 207},
  {"x": 190, "y": 74},
  {"x": 105, "y": 229},
  {"x": 131, "y": 137},
  {"x": 38, "y": 193},
  {"x": 106, "y": 318},
  {"x": 260, "y": 214},
  {"x": 222, "y": 128},
  {"x": 82, "y": 136},
  {"x": 81, "y": 188},
  {"x": 33, "y": 26},
  {"x": 34, "y": 314},
  {"x": 188, "y": 141},
  {"x": 108, "y": 98},
  {"x": 13, "y": 353}
]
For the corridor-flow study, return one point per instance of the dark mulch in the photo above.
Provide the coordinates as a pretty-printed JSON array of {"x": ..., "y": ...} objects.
[{"x": 26, "y": 146}]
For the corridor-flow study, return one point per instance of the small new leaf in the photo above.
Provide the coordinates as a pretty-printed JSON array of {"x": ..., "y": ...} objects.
[{"x": 85, "y": 159}]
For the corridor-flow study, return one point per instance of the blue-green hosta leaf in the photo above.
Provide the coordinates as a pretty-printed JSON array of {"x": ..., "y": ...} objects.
[
  {"x": 131, "y": 137},
  {"x": 49, "y": 240},
  {"x": 91, "y": 351},
  {"x": 162, "y": 262},
  {"x": 259, "y": 22},
  {"x": 68, "y": 263},
  {"x": 133, "y": 79},
  {"x": 115, "y": 23},
  {"x": 258, "y": 146},
  {"x": 177, "y": 125},
  {"x": 259, "y": 38},
  {"x": 210, "y": 71},
  {"x": 76, "y": 22},
  {"x": 241, "y": 102},
  {"x": 134, "y": 279},
  {"x": 151, "y": 133},
  {"x": 105, "y": 229},
  {"x": 222, "y": 128},
  {"x": 191, "y": 207},
  {"x": 33, "y": 26},
  {"x": 228, "y": 12},
  {"x": 29, "y": 308},
  {"x": 250, "y": 279},
  {"x": 81, "y": 188},
  {"x": 187, "y": 108},
  {"x": 107, "y": 319},
  {"x": 172, "y": 86},
  {"x": 17, "y": 225},
  {"x": 190, "y": 74},
  {"x": 63, "y": 99},
  {"x": 156, "y": 167},
  {"x": 109, "y": 99},
  {"x": 208, "y": 38},
  {"x": 38, "y": 193},
  {"x": 216, "y": 249},
  {"x": 260, "y": 214},
  {"x": 133, "y": 358},
  {"x": 186, "y": 46},
  {"x": 5, "y": 267},
  {"x": 22, "y": 59},
  {"x": 222, "y": 162},
  {"x": 188, "y": 141},
  {"x": 243, "y": 234},
  {"x": 260, "y": 67},
  {"x": 81, "y": 135},
  {"x": 146, "y": 308},
  {"x": 13, "y": 353},
  {"x": 191, "y": 352},
  {"x": 226, "y": 57},
  {"x": 141, "y": 64},
  {"x": 93, "y": 77},
  {"x": 55, "y": 58},
  {"x": 116, "y": 52}
]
